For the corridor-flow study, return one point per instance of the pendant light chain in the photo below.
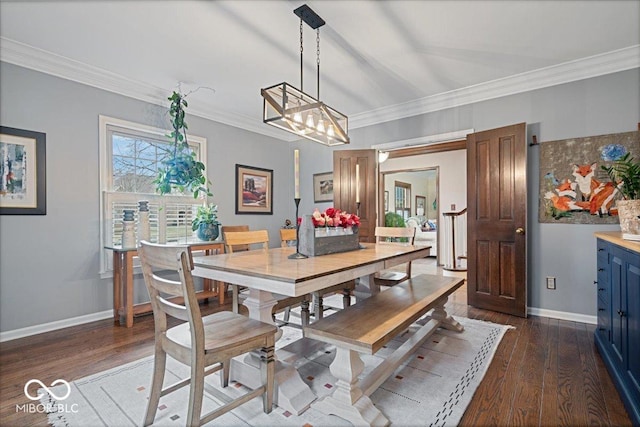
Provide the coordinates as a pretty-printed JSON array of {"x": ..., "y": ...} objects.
[
  {"x": 301, "y": 49},
  {"x": 318, "y": 58}
]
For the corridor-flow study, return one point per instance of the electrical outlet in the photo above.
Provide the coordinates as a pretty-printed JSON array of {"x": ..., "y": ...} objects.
[
  {"x": 453, "y": 206},
  {"x": 551, "y": 282}
]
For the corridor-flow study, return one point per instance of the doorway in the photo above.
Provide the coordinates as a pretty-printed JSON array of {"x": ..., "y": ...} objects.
[{"x": 410, "y": 197}]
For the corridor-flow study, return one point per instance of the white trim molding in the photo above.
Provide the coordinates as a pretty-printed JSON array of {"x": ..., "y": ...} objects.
[
  {"x": 423, "y": 140},
  {"x": 52, "y": 326},
  {"x": 27, "y": 56},
  {"x": 74, "y": 321},
  {"x": 563, "y": 315},
  {"x": 580, "y": 69}
]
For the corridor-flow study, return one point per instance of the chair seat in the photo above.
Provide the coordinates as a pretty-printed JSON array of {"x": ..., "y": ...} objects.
[
  {"x": 283, "y": 301},
  {"x": 222, "y": 330},
  {"x": 389, "y": 278}
]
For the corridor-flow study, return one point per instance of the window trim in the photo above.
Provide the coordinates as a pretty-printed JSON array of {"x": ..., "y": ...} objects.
[{"x": 105, "y": 124}]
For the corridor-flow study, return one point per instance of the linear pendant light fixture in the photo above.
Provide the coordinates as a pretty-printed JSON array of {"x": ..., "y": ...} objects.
[{"x": 293, "y": 110}]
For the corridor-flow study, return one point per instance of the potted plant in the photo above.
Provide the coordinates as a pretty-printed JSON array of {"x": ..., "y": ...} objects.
[
  {"x": 205, "y": 222},
  {"x": 182, "y": 171},
  {"x": 625, "y": 173}
]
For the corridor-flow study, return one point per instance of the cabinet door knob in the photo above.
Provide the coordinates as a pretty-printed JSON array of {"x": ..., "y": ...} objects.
[
  {"x": 601, "y": 269},
  {"x": 601, "y": 309},
  {"x": 600, "y": 249},
  {"x": 601, "y": 289},
  {"x": 620, "y": 313},
  {"x": 595, "y": 282}
]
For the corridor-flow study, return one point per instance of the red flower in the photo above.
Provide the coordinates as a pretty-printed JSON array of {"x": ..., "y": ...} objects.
[{"x": 334, "y": 218}]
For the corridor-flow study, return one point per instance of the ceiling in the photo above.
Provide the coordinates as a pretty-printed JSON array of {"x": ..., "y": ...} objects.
[{"x": 380, "y": 60}]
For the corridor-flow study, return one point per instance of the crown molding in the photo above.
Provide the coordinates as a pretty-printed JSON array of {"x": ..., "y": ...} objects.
[
  {"x": 27, "y": 56},
  {"x": 46, "y": 62},
  {"x": 593, "y": 66}
]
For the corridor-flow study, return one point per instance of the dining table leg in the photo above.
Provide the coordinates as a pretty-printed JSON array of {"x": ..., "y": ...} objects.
[
  {"x": 292, "y": 394},
  {"x": 128, "y": 287},
  {"x": 365, "y": 287},
  {"x": 117, "y": 285}
]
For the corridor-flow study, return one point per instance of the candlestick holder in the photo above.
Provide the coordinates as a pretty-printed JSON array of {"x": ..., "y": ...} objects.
[{"x": 297, "y": 255}]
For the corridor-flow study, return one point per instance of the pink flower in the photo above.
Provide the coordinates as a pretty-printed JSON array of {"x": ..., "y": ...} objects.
[{"x": 332, "y": 217}]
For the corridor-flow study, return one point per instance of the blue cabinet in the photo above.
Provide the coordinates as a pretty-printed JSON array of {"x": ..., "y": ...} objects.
[{"x": 618, "y": 332}]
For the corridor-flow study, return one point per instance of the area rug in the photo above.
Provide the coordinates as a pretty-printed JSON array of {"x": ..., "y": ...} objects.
[{"x": 433, "y": 388}]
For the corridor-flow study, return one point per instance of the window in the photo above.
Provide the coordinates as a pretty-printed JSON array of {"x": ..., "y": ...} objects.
[
  {"x": 130, "y": 155},
  {"x": 403, "y": 199}
]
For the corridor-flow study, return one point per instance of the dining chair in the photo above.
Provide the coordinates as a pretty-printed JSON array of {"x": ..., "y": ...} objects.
[
  {"x": 234, "y": 288},
  {"x": 206, "y": 344},
  {"x": 261, "y": 237},
  {"x": 286, "y": 236},
  {"x": 394, "y": 236}
]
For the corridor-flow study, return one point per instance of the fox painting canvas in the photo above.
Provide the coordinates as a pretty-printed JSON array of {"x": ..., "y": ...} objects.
[{"x": 573, "y": 187}]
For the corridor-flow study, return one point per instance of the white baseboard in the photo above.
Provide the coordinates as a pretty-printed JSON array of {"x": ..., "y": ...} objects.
[
  {"x": 563, "y": 315},
  {"x": 52, "y": 326},
  {"x": 65, "y": 323}
]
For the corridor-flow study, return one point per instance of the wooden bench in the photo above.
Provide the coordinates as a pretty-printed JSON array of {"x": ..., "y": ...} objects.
[{"x": 366, "y": 327}]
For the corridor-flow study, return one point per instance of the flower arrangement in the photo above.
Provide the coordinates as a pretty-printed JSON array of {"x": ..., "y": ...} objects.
[{"x": 334, "y": 218}]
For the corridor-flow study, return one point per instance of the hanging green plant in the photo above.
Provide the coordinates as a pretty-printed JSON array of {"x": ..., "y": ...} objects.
[{"x": 182, "y": 171}]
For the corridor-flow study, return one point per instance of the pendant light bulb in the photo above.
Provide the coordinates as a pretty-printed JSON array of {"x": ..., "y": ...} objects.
[
  {"x": 297, "y": 117},
  {"x": 320, "y": 127},
  {"x": 310, "y": 122},
  {"x": 330, "y": 131}
]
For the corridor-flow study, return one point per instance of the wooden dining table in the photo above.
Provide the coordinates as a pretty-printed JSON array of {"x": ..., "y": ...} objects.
[{"x": 265, "y": 272}]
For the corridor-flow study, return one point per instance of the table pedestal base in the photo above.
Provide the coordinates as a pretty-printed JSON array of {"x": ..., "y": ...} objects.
[
  {"x": 291, "y": 393},
  {"x": 348, "y": 401}
]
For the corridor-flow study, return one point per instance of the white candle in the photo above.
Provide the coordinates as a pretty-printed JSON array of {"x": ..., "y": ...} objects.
[
  {"x": 296, "y": 173},
  {"x": 357, "y": 183}
]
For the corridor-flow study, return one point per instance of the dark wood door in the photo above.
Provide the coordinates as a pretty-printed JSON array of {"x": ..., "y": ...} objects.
[
  {"x": 497, "y": 219},
  {"x": 345, "y": 187}
]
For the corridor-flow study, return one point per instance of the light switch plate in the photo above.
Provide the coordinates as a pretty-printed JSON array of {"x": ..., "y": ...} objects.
[{"x": 551, "y": 282}]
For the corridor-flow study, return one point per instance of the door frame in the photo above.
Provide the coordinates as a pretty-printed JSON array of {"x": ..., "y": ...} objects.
[{"x": 381, "y": 181}]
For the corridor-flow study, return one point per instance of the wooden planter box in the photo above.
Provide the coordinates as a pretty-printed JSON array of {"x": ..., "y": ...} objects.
[{"x": 315, "y": 242}]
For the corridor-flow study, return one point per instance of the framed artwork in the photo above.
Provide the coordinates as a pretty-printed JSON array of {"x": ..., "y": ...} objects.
[
  {"x": 22, "y": 172},
  {"x": 386, "y": 201},
  {"x": 254, "y": 190},
  {"x": 421, "y": 201},
  {"x": 323, "y": 187},
  {"x": 573, "y": 187}
]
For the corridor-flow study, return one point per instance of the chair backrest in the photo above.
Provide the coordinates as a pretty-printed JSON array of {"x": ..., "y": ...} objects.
[
  {"x": 385, "y": 233},
  {"x": 287, "y": 235},
  {"x": 234, "y": 228},
  {"x": 233, "y": 239},
  {"x": 156, "y": 258}
]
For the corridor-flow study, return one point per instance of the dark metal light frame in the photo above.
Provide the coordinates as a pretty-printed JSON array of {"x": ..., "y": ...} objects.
[{"x": 293, "y": 110}]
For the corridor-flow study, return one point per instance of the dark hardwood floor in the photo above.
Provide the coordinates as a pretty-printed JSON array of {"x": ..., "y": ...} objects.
[{"x": 546, "y": 372}]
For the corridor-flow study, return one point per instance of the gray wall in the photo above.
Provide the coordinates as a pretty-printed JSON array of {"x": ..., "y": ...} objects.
[
  {"x": 597, "y": 106},
  {"x": 49, "y": 265}
]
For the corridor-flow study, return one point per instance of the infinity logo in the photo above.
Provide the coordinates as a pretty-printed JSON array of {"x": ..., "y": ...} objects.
[{"x": 47, "y": 389}]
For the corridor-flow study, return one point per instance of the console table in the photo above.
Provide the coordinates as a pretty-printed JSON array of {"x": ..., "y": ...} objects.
[{"x": 123, "y": 281}]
